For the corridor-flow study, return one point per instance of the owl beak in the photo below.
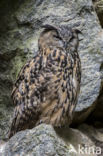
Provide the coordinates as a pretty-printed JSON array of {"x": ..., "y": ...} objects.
[
  {"x": 65, "y": 44},
  {"x": 79, "y": 32}
]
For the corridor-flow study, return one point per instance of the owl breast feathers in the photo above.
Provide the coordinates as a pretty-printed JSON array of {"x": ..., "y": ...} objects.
[{"x": 47, "y": 87}]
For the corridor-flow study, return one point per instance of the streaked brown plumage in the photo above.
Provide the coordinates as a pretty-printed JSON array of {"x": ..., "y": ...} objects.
[{"x": 47, "y": 87}]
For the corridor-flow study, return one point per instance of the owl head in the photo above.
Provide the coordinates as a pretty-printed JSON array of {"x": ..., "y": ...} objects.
[{"x": 62, "y": 36}]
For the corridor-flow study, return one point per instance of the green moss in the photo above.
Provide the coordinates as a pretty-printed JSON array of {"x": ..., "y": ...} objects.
[{"x": 17, "y": 64}]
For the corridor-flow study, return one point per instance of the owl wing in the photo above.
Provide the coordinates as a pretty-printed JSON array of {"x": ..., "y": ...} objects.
[
  {"x": 25, "y": 101},
  {"x": 23, "y": 77},
  {"x": 40, "y": 93}
]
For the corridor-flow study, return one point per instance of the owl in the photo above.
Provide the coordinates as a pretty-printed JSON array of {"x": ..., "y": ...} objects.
[{"x": 48, "y": 85}]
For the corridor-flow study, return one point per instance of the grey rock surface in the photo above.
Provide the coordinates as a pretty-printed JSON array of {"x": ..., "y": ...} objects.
[
  {"x": 19, "y": 32},
  {"x": 44, "y": 141}
]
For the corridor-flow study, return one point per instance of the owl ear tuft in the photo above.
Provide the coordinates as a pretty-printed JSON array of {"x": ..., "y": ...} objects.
[{"x": 49, "y": 27}]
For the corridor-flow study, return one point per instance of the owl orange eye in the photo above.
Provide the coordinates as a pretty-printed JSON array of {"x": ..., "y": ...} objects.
[{"x": 58, "y": 37}]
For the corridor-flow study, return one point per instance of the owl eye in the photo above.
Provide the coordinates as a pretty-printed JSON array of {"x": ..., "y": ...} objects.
[{"x": 58, "y": 37}]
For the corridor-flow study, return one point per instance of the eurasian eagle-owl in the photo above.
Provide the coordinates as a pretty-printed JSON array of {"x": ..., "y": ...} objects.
[{"x": 47, "y": 87}]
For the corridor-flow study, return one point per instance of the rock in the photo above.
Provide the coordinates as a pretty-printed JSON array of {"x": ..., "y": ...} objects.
[
  {"x": 92, "y": 132},
  {"x": 43, "y": 140},
  {"x": 96, "y": 118},
  {"x": 96, "y": 135},
  {"x": 19, "y": 30},
  {"x": 98, "y": 4}
]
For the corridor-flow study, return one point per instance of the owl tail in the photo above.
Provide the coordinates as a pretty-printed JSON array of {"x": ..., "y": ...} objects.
[
  {"x": 16, "y": 122},
  {"x": 12, "y": 130},
  {"x": 24, "y": 118}
]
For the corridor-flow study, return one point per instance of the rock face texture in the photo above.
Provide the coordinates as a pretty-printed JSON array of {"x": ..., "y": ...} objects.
[
  {"x": 20, "y": 26},
  {"x": 43, "y": 140},
  {"x": 96, "y": 135}
]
